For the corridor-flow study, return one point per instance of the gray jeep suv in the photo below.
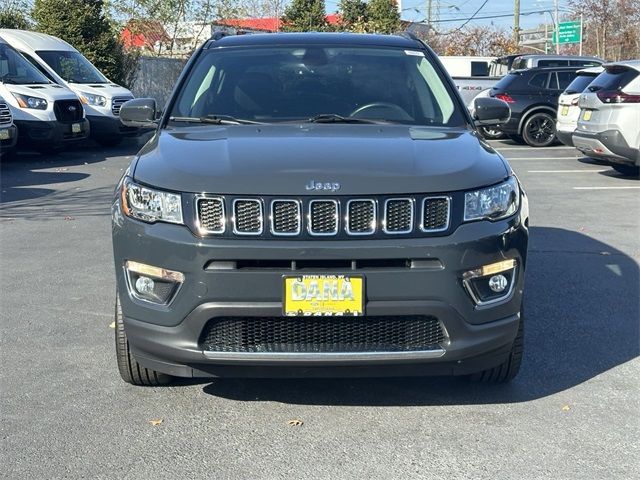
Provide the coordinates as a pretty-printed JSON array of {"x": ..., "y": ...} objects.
[{"x": 317, "y": 204}]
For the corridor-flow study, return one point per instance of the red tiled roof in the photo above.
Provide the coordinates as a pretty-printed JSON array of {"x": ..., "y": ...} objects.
[
  {"x": 265, "y": 24},
  {"x": 143, "y": 33}
]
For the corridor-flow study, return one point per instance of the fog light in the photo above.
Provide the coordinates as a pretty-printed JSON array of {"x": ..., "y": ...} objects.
[
  {"x": 498, "y": 283},
  {"x": 152, "y": 284},
  {"x": 145, "y": 285}
]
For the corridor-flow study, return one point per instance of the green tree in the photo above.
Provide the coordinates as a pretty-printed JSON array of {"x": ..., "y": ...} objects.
[
  {"x": 85, "y": 25},
  {"x": 353, "y": 14},
  {"x": 12, "y": 15},
  {"x": 383, "y": 16},
  {"x": 304, "y": 16}
]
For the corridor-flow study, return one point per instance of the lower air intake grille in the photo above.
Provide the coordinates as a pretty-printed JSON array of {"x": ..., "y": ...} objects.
[
  {"x": 435, "y": 214},
  {"x": 322, "y": 334}
]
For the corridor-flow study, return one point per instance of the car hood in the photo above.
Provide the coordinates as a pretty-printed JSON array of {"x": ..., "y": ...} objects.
[
  {"x": 284, "y": 159},
  {"x": 46, "y": 91},
  {"x": 108, "y": 90}
]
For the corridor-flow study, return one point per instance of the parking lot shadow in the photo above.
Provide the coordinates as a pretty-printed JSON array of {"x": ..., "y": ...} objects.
[{"x": 582, "y": 319}]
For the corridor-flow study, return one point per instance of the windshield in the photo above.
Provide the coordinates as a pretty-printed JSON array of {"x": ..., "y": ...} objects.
[
  {"x": 14, "y": 68},
  {"x": 291, "y": 83},
  {"x": 580, "y": 83},
  {"x": 72, "y": 66}
]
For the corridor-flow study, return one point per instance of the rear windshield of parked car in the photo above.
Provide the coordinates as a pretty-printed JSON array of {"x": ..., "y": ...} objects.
[
  {"x": 580, "y": 83},
  {"x": 613, "y": 78},
  {"x": 294, "y": 83}
]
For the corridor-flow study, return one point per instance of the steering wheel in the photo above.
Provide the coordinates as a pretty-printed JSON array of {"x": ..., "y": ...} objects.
[{"x": 400, "y": 113}]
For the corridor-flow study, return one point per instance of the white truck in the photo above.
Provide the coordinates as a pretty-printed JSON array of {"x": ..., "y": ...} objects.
[
  {"x": 46, "y": 115},
  {"x": 67, "y": 67}
]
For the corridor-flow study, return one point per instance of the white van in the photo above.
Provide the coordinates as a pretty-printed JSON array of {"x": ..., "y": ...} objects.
[
  {"x": 46, "y": 115},
  {"x": 8, "y": 131},
  {"x": 66, "y": 66}
]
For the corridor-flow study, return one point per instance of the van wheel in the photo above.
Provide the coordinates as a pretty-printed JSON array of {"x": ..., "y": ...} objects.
[
  {"x": 628, "y": 170},
  {"x": 539, "y": 130},
  {"x": 130, "y": 370},
  {"x": 508, "y": 370}
]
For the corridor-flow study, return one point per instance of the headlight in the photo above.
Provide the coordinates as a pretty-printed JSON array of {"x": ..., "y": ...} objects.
[
  {"x": 493, "y": 203},
  {"x": 91, "y": 99},
  {"x": 31, "y": 102},
  {"x": 150, "y": 205}
]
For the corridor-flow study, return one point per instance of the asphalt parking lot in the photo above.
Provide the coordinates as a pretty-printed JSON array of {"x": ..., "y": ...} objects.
[{"x": 572, "y": 412}]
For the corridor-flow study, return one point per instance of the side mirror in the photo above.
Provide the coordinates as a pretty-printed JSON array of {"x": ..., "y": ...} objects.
[
  {"x": 491, "y": 111},
  {"x": 139, "y": 112}
]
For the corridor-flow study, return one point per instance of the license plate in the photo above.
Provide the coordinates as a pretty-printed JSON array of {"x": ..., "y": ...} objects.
[
  {"x": 4, "y": 134},
  {"x": 319, "y": 295},
  {"x": 565, "y": 111},
  {"x": 586, "y": 116},
  {"x": 76, "y": 128}
]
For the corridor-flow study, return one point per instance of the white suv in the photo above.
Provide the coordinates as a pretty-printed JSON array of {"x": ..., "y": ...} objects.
[
  {"x": 610, "y": 116},
  {"x": 568, "y": 109}
]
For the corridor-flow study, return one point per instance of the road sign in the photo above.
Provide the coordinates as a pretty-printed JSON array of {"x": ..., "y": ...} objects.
[{"x": 570, "y": 32}]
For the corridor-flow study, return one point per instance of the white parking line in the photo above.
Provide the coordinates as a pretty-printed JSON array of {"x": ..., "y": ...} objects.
[
  {"x": 606, "y": 188},
  {"x": 568, "y": 171}
]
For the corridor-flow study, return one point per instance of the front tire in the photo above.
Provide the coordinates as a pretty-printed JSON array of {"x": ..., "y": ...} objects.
[
  {"x": 130, "y": 370},
  {"x": 539, "y": 130},
  {"x": 508, "y": 370}
]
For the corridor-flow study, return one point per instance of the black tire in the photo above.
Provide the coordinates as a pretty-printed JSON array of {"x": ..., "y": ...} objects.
[
  {"x": 508, "y": 370},
  {"x": 517, "y": 139},
  {"x": 130, "y": 370},
  {"x": 627, "y": 170},
  {"x": 491, "y": 133},
  {"x": 539, "y": 130}
]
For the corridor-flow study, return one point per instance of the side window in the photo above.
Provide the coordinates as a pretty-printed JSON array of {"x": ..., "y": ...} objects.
[
  {"x": 479, "y": 69},
  {"x": 553, "y": 63},
  {"x": 565, "y": 78},
  {"x": 583, "y": 63},
  {"x": 539, "y": 80},
  {"x": 38, "y": 66}
]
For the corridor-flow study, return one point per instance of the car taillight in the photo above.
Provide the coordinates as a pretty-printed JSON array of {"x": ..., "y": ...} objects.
[
  {"x": 575, "y": 101},
  {"x": 505, "y": 97},
  {"x": 615, "y": 96}
]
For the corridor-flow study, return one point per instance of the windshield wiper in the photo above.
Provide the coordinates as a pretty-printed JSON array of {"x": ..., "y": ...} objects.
[
  {"x": 215, "y": 120},
  {"x": 335, "y": 118}
]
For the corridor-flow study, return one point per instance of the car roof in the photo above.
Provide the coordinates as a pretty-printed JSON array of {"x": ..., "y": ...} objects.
[
  {"x": 635, "y": 64},
  {"x": 591, "y": 70},
  {"x": 558, "y": 57},
  {"x": 568, "y": 68},
  {"x": 34, "y": 40},
  {"x": 315, "y": 38}
]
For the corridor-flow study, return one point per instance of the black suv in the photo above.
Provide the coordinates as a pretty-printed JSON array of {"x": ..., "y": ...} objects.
[
  {"x": 318, "y": 204},
  {"x": 532, "y": 95}
]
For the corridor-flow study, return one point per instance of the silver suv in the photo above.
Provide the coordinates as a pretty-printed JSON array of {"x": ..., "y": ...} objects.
[{"x": 609, "y": 117}]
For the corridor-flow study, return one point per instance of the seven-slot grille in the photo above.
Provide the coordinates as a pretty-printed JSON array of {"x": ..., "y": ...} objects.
[
  {"x": 323, "y": 217},
  {"x": 247, "y": 216},
  {"x": 116, "y": 103},
  {"x": 323, "y": 334},
  {"x": 5, "y": 114}
]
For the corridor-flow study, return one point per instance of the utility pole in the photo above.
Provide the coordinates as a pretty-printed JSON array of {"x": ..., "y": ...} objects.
[
  {"x": 557, "y": 26},
  {"x": 429, "y": 13},
  {"x": 516, "y": 22}
]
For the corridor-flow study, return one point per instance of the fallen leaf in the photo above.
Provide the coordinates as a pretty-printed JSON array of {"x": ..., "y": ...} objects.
[
  {"x": 112, "y": 325},
  {"x": 581, "y": 229},
  {"x": 156, "y": 422},
  {"x": 296, "y": 422},
  {"x": 566, "y": 408}
]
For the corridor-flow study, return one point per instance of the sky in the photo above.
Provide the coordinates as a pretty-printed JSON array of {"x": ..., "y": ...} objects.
[{"x": 458, "y": 11}]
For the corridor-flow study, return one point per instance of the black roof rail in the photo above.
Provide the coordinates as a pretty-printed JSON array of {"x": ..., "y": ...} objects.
[
  {"x": 410, "y": 35},
  {"x": 219, "y": 34}
]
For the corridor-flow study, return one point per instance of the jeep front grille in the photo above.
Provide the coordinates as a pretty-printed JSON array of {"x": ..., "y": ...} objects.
[
  {"x": 5, "y": 114},
  {"x": 317, "y": 217},
  {"x": 247, "y": 216},
  {"x": 116, "y": 104},
  {"x": 323, "y": 334}
]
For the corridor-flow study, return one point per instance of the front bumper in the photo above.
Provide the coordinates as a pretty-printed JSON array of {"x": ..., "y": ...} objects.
[
  {"x": 103, "y": 126},
  {"x": 609, "y": 145},
  {"x": 166, "y": 338},
  {"x": 11, "y": 133},
  {"x": 52, "y": 133}
]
